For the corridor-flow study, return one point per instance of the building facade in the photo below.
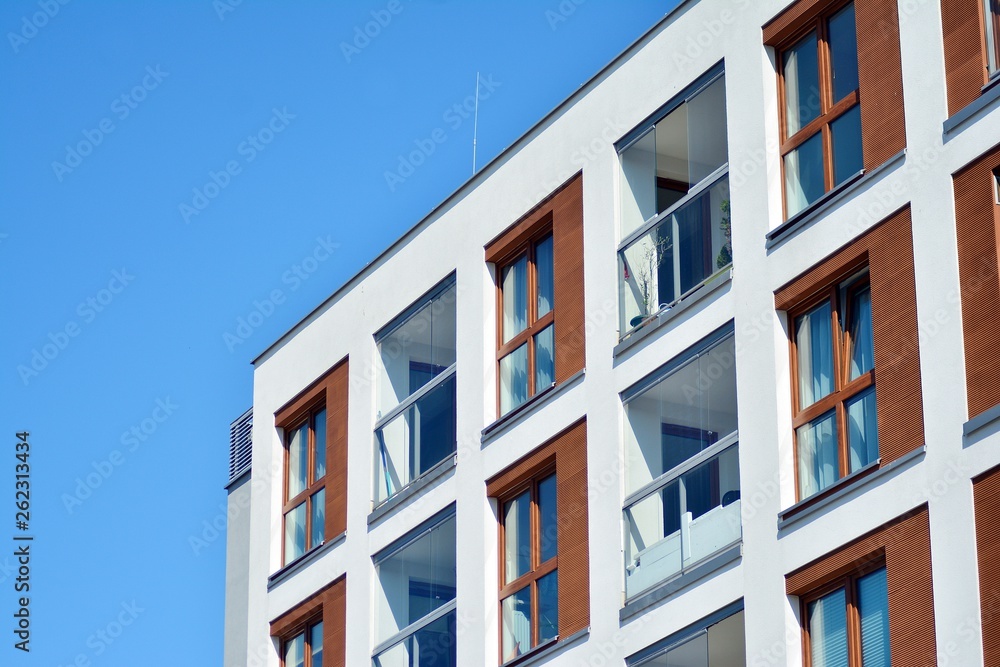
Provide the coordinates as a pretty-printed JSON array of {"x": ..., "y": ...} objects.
[{"x": 701, "y": 371}]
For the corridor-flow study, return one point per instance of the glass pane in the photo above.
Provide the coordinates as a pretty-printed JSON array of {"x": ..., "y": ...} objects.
[
  {"x": 817, "y": 454},
  {"x": 417, "y": 351},
  {"x": 843, "y": 53},
  {"x": 689, "y": 410},
  {"x": 516, "y": 618},
  {"x": 513, "y": 379},
  {"x": 992, "y": 48},
  {"x": 415, "y": 581},
  {"x": 517, "y": 536},
  {"x": 653, "y": 548},
  {"x": 295, "y": 651},
  {"x": 828, "y": 630},
  {"x": 318, "y": 519},
  {"x": 548, "y": 606},
  {"x": 693, "y": 653},
  {"x": 298, "y": 459},
  {"x": 814, "y": 354},
  {"x": 804, "y": 182},
  {"x": 862, "y": 357},
  {"x": 548, "y": 528},
  {"x": 514, "y": 285},
  {"x": 862, "y": 427},
  {"x": 316, "y": 644},
  {"x": 543, "y": 268},
  {"x": 295, "y": 533},
  {"x": 434, "y": 644},
  {"x": 801, "y": 77},
  {"x": 873, "y": 602},
  {"x": 545, "y": 359},
  {"x": 416, "y": 440},
  {"x": 638, "y": 187},
  {"x": 319, "y": 449},
  {"x": 707, "y": 143},
  {"x": 846, "y": 131}
]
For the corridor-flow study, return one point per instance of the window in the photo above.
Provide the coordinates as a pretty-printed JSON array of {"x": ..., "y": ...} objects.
[
  {"x": 526, "y": 355},
  {"x": 529, "y": 592},
  {"x": 415, "y": 606},
  {"x": 675, "y": 212},
  {"x": 416, "y": 391},
  {"x": 833, "y": 353},
  {"x": 821, "y": 111},
  {"x": 542, "y": 530},
  {"x": 682, "y": 480},
  {"x": 846, "y": 623},
  {"x": 305, "y": 478},
  {"x": 304, "y": 649},
  {"x": 710, "y": 643},
  {"x": 991, "y": 13}
]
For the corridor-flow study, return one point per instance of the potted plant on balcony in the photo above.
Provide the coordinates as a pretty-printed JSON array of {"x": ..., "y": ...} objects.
[{"x": 648, "y": 267}]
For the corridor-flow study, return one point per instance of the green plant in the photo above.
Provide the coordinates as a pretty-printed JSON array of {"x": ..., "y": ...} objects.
[{"x": 725, "y": 257}]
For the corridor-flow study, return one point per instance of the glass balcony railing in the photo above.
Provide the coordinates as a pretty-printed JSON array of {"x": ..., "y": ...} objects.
[
  {"x": 685, "y": 246},
  {"x": 682, "y": 518},
  {"x": 416, "y": 436}
]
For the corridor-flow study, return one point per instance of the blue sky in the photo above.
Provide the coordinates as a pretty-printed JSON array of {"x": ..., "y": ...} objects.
[{"x": 166, "y": 169}]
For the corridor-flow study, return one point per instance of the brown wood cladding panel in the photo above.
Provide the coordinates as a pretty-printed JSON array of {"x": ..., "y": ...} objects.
[
  {"x": 898, "y": 388},
  {"x": 336, "y": 450},
  {"x": 567, "y": 243},
  {"x": 569, "y": 451},
  {"x": 975, "y": 220},
  {"x": 964, "y": 51},
  {"x": 888, "y": 248},
  {"x": 787, "y": 23},
  {"x": 880, "y": 81},
  {"x": 905, "y": 545},
  {"x": 986, "y": 492},
  {"x": 335, "y": 625}
]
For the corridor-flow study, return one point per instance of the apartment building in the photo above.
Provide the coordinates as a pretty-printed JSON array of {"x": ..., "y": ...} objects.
[{"x": 701, "y": 371}]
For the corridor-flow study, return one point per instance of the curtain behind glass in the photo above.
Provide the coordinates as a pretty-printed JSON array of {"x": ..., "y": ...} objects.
[
  {"x": 873, "y": 600},
  {"x": 514, "y": 285},
  {"x": 814, "y": 345},
  {"x": 828, "y": 630}
]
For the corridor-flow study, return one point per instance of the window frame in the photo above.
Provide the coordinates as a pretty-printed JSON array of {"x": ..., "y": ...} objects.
[
  {"x": 312, "y": 487},
  {"x": 839, "y": 295},
  {"x": 830, "y": 110},
  {"x": 538, "y": 569},
  {"x": 305, "y": 628},
  {"x": 849, "y": 582},
  {"x": 991, "y": 33},
  {"x": 533, "y": 324}
]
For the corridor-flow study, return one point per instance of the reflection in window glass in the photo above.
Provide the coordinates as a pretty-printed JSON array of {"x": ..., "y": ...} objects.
[
  {"x": 862, "y": 437},
  {"x": 295, "y": 533},
  {"x": 514, "y": 379},
  {"x": 843, "y": 53},
  {"x": 543, "y": 268},
  {"x": 846, "y": 133},
  {"x": 298, "y": 459},
  {"x": 545, "y": 361},
  {"x": 862, "y": 345},
  {"x": 548, "y": 607},
  {"x": 316, "y": 644},
  {"x": 817, "y": 452},
  {"x": 873, "y": 607},
  {"x": 804, "y": 174},
  {"x": 318, "y": 518},
  {"x": 548, "y": 525},
  {"x": 801, "y": 76},
  {"x": 814, "y": 348},
  {"x": 828, "y": 630},
  {"x": 514, "y": 286},
  {"x": 295, "y": 651},
  {"x": 516, "y": 617},
  {"x": 319, "y": 449},
  {"x": 517, "y": 536}
]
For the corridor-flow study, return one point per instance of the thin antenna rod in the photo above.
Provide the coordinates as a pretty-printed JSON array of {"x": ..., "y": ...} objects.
[{"x": 475, "y": 127}]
